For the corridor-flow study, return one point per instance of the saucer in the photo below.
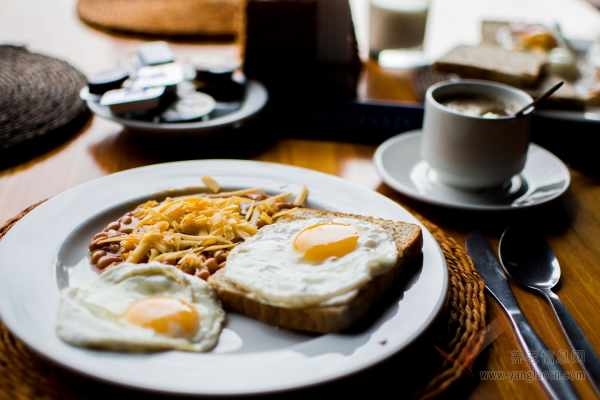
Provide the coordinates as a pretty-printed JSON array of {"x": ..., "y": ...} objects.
[{"x": 399, "y": 163}]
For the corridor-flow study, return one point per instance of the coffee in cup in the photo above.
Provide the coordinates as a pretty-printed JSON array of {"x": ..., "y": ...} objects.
[{"x": 471, "y": 137}]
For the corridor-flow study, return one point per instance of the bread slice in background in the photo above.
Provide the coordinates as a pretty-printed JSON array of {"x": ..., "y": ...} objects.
[
  {"x": 493, "y": 63},
  {"x": 330, "y": 318},
  {"x": 565, "y": 98}
]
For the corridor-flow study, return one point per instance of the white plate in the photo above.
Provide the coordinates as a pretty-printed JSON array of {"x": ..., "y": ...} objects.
[
  {"x": 47, "y": 249},
  {"x": 255, "y": 98},
  {"x": 591, "y": 116},
  {"x": 398, "y": 162}
]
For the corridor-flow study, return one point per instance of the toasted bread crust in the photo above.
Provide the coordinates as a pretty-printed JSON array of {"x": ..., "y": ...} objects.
[
  {"x": 331, "y": 318},
  {"x": 493, "y": 63}
]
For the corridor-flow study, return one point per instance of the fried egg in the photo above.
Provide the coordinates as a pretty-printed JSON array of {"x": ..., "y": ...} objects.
[
  {"x": 313, "y": 261},
  {"x": 140, "y": 308}
]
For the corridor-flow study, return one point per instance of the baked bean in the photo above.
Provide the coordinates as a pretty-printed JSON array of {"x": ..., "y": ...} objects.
[
  {"x": 220, "y": 256},
  {"x": 113, "y": 226},
  {"x": 114, "y": 247},
  {"x": 260, "y": 223},
  {"x": 126, "y": 220},
  {"x": 96, "y": 245},
  {"x": 202, "y": 273},
  {"x": 169, "y": 261},
  {"x": 113, "y": 233},
  {"x": 96, "y": 256},
  {"x": 284, "y": 205},
  {"x": 103, "y": 235},
  {"x": 127, "y": 230},
  {"x": 188, "y": 269},
  {"x": 211, "y": 265},
  {"x": 105, "y": 261},
  {"x": 222, "y": 265}
]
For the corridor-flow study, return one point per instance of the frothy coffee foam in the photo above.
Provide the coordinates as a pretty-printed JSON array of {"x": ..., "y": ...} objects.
[{"x": 479, "y": 105}]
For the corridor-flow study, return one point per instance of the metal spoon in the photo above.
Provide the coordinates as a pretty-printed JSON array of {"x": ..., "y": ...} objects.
[
  {"x": 542, "y": 97},
  {"x": 530, "y": 261}
]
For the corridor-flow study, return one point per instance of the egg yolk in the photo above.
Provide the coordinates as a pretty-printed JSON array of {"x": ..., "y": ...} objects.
[
  {"x": 319, "y": 242},
  {"x": 165, "y": 315}
]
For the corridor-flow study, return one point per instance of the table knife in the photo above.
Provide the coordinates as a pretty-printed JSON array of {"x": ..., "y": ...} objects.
[{"x": 496, "y": 283}]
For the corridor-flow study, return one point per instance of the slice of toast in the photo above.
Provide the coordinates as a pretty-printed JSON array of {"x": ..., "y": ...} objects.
[
  {"x": 565, "y": 98},
  {"x": 326, "y": 318},
  {"x": 493, "y": 63}
]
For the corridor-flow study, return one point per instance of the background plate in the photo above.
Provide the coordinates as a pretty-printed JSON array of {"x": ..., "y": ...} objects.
[
  {"x": 255, "y": 98},
  {"x": 251, "y": 357}
]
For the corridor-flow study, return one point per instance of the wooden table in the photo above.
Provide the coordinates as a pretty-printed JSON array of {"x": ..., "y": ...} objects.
[{"x": 571, "y": 225}]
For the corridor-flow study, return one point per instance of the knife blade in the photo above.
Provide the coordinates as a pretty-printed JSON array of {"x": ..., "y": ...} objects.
[{"x": 552, "y": 376}]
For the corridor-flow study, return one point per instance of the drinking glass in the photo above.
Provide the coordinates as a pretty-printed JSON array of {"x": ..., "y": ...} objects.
[{"x": 396, "y": 32}]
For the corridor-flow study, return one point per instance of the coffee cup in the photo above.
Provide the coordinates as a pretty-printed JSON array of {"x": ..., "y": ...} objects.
[{"x": 471, "y": 137}]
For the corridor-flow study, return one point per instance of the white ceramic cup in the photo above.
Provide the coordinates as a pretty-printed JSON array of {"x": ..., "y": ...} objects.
[{"x": 470, "y": 152}]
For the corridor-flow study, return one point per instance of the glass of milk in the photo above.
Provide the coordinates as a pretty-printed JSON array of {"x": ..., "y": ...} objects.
[{"x": 396, "y": 32}]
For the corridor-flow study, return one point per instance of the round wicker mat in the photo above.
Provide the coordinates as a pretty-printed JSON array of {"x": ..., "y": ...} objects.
[
  {"x": 162, "y": 17},
  {"x": 39, "y": 99},
  {"x": 25, "y": 375}
]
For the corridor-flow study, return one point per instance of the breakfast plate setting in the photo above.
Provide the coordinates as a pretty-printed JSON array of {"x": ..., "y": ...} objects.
[
  {"x": 128, "y": 287},
  {"x": 360, "y": 264}
]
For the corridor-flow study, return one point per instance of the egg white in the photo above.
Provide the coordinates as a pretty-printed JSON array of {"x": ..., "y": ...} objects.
[
  {"x": 91, "y": 315},
  {"x": 271, "y": 270}
]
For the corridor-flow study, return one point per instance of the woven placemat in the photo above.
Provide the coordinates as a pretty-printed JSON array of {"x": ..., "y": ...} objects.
[
  {"x": 39, "y": 99},
  {"x": 25, "y": 375},
  {"x": 163, "y": 17}
]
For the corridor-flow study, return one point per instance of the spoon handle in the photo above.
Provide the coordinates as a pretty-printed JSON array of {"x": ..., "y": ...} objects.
[
  {"x": 576, "y": 337},
  {"x": 542, "y": 97}
]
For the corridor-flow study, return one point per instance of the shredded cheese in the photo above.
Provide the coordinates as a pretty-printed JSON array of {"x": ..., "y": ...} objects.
[
  {"x": 181, "y": 231},
  {"x": 211, "y": 184}
]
